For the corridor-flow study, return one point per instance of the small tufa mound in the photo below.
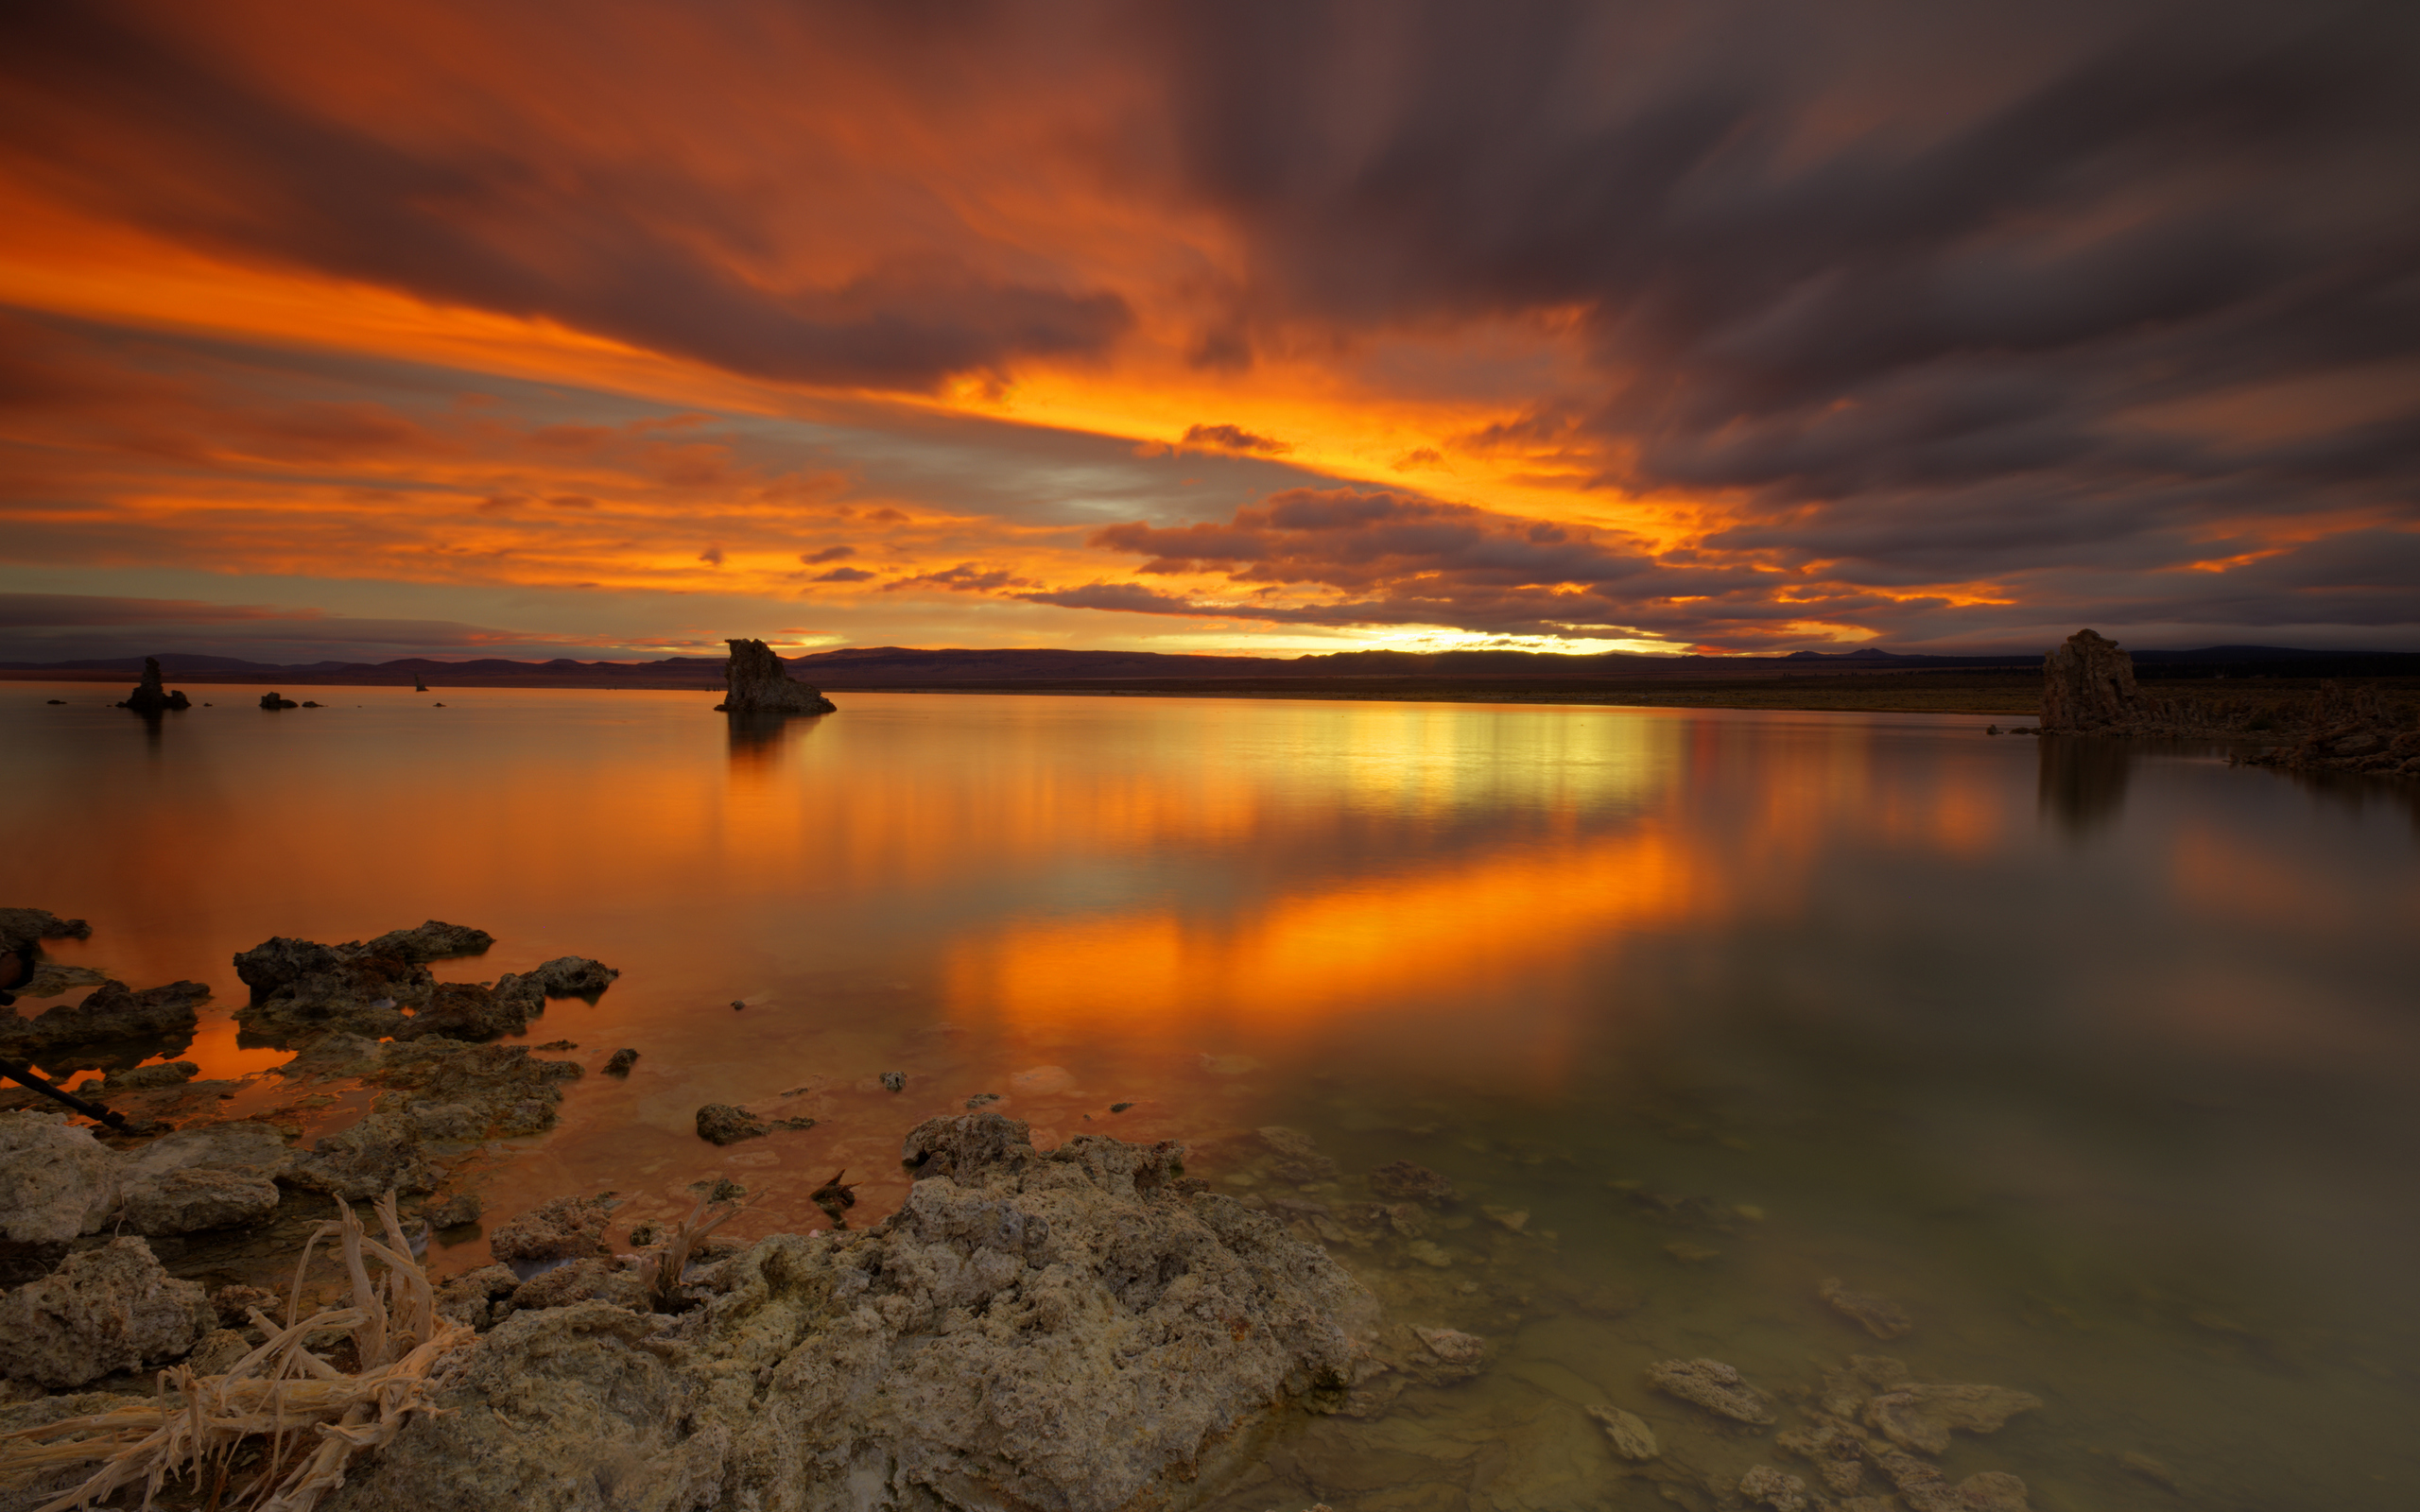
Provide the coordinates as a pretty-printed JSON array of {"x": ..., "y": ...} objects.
[
  {"x": 1713, "y": 1385},
  {"x": 149, "y": 696}
]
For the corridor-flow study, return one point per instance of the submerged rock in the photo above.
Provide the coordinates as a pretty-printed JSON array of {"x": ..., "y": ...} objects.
[
  {"x": 1713, "y": 1385},
  {"x": 757, "y": 683},
  {"x": 1628, "y": 1433},
  {"x": 1879, "y": 1316},
  {"x": 1766, "y": 1487},
  {"x": 1413, "y": 1183},
  {"x": 1299, "y": 1160},
  {"x": 104, "y": 1310},
  {"x": 1921, "y": 1417},
  {"x": 1064, "y": 1331}
]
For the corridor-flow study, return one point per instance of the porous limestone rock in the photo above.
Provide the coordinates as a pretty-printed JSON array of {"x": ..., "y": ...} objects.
[
  {"x": 383, "y": 1151},
  {"x": 56, "y": 1180},
  {"x": 301, "y": 987},
  {"x": 1919, "y": 1416},
  {"x": 433, "y": 940},
  {"x": 191, "y": 1200},
  {"x": 145, "y": 1078},
  {"x": 1298, "y": 1160},
  {"x": 151, "y": 696},
  {"x": 1062, "y": 1331},
  {"x": 466, "y": 1010},
  {"x": 757, "y": 683},
  {"x": 1713, "y": 1385},
  {"x": 115, "y": 1308},
  {"x": 1768, "y": 1487}
]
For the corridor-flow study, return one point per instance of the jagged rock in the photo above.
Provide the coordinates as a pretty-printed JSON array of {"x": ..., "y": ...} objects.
[
  {"x": 1767, "y": 1487},
  {"x": 756, "y": 683},
  {"x": 301, "y": 986},
  {"x": 1713, "y": 1385},
  {"x": 56, "y": 1180},
  {"x": 149, "y": 696},
  {"x": 620, "y": 1062},
  {"x": 1067, "y": 1330},
  {"x": 1879, "y": 1316},
  {"x": 2350, "y": 729},
  {"x": 361, "y": 1162},
  {"x": 471, "y": 1297},
  {"x": 460, "y": 1209},
  {"x": 434, "y": 941},
  {"x": 199, "y": 1197},
  {"x": 726, "y": 1124},
  {"x": 1921, "y": 1417},
  {"x": 26, "y": 928},
  {"x": 112, "y": 1012},
  {"x": 466, "y": 1010},
  {"x": 1627, "y": 1431},
  {"x": 1412, "y": 1183},
  {"x": 115, "y": 1308},
  {"x": 143, "y": 1078},
  {"x": 2089, "y": 684},
  {"x": 574, "y": 976},
  {"x": 278, "y": 701},
  {"x": 565, "y": 1229},
  {"x": 589, "y": 1278}
]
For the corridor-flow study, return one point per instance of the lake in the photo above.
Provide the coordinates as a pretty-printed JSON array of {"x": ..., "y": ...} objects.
[{"x": 2099, "y": 1059}]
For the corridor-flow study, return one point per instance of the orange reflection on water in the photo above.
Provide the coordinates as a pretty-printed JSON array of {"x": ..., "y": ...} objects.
[{"x": 1364, "y": 944}]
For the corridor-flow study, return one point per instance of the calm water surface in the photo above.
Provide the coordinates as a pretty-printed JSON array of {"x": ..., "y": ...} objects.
[{"x": 2099, "y": 1059}]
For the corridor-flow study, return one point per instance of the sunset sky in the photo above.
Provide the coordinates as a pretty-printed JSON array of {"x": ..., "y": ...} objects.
[{"x": 383, "y": 328}]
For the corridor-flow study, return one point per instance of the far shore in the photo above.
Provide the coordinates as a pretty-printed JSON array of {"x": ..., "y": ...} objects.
[{"x": 2010, "y": 693}]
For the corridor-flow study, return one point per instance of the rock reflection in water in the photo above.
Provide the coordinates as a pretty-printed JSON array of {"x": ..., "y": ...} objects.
[{"x": 2083, "y": 780}]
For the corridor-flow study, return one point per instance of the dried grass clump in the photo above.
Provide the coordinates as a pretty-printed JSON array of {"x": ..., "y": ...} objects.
[
  {"x": 672, "y": 1258},
  {"x": 313, "y": 1416}
]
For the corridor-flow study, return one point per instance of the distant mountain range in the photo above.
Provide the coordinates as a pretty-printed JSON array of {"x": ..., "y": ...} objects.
[{"x": 892, "y": 666}]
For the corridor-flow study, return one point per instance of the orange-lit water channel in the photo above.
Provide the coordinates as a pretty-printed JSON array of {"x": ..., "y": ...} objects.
[{"x": 2101, "y": 1060}]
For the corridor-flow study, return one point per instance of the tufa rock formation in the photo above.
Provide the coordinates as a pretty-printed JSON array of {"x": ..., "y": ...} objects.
[
  {"x": 758, "y": 684},
  {"x": 2088, "y": 689},
  {"x": 1077, "y": 1331},
  {"x": 149, "y": 697},
  {"x": 2089, "y": 684},
  {"x": 103, "y": 1309}
]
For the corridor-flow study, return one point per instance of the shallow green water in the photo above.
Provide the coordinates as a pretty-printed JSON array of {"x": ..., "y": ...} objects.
[{"x": 2099, "y": 1060}]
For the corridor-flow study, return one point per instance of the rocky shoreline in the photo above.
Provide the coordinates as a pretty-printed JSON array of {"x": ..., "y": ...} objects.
[
  {"x": 1083, "y": 1327},
  {"x": 2088, "y": 688}
]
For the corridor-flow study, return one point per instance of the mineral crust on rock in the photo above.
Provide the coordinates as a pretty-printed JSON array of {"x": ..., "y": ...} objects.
[
  {"x": 56, "y": 1180},
  {"x": 1067, "y": 1331},
  {"x": 757, "y": 683},
  {"x": 565, "y": 1229},
  {"x": 115, "y": 1308},
  {"x": 1713, "y": 1385},
  {"x": 381, "y": 1152},
  {"x": 195, "y": 1198}
]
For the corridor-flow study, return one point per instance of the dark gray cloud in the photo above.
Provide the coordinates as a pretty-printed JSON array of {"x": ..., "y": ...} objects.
[
  {"x": 1232, "y": 438},
  {"x": 1954, "y": 292},
  {"x": 140, "y": 118}
]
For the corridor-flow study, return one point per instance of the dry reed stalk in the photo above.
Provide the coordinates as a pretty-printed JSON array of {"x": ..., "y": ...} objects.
[
  {"x": 672, "y": 1261},
  {"x": 277, "y": 1392}
]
